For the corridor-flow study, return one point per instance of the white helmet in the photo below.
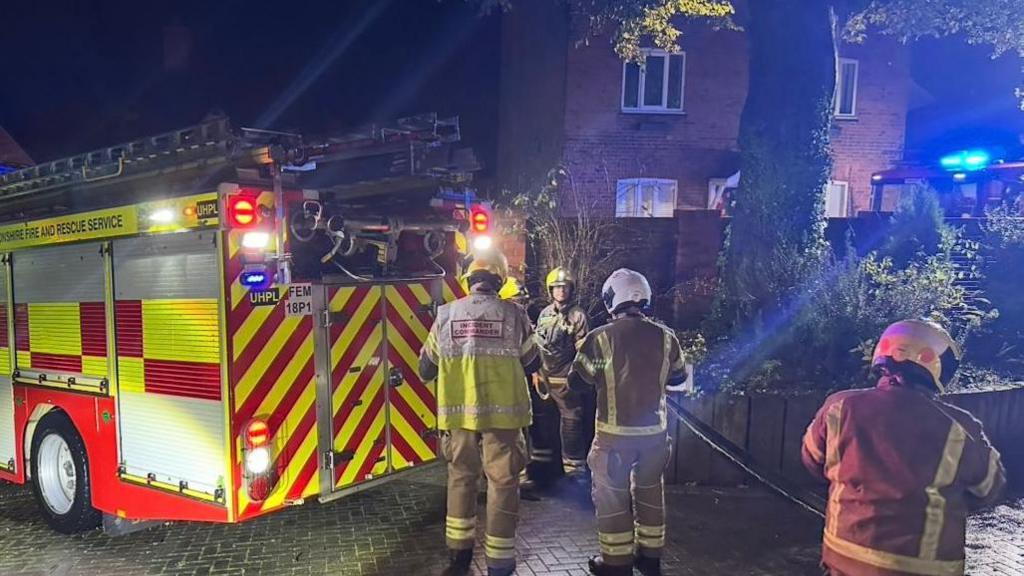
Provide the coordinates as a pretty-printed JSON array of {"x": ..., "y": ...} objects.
[{"x": 623, "y": 288}]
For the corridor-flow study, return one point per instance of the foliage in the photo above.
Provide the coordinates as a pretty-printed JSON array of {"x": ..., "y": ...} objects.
[
  {"x": 1000, "y": 345},
  {"x": 972, "y": 377},
  {"x": 631, "y": 22},
  {"x": 917, "y": 228},
  {"x": 829, "y": 336},
  {"x": 563, "y": 226},
  {"x": 693, "y": 345}
]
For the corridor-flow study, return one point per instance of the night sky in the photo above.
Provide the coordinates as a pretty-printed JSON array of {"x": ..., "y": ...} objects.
[{"x": 81, "y": 75}]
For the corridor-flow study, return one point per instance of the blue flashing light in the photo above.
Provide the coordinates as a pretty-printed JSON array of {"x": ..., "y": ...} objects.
[
  {"x": 255, "y": 278},
  {"x": 976, "y": 159},
  {"x": 966, "y": 160},
  {"x": 951, "y": 162}
]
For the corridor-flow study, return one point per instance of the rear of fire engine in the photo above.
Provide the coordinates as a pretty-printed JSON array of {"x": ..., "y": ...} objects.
[{"x": 212, "y": 324}]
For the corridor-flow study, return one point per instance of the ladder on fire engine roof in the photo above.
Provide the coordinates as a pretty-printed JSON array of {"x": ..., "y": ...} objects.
[{"x": 213, "y": 141}]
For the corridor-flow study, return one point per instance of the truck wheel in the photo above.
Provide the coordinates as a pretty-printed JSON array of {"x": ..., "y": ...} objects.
[{"x": 60, "y": 476}]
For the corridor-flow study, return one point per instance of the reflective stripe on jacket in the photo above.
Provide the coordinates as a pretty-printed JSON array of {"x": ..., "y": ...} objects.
[
  {"x": 904, "y": 470},
  {"x": 480, "y": 345},
  {"x": 629, "y": 361}
]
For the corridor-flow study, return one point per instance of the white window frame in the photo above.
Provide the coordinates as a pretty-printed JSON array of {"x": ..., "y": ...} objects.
[
  {"x": 844, "y": 202},
  {"x": 637, "y": 184},
  {"x": 641, "y": 108},
  {"x": 839, "y": 87}
]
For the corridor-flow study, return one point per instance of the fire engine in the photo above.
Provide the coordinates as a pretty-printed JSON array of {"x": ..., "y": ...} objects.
[
  {"x": 212, "y": 324},
  {"x": 968, "y": 183}
]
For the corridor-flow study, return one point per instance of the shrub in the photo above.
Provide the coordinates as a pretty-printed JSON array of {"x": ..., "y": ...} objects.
[{"x": 826, "y": 333}]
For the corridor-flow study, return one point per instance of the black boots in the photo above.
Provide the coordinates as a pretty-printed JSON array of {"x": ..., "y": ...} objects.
[
  {"x": 506, "y": 571},
  {"x": 599, "y": 568},
  {"x": 648, "y": 566},
  {"x": 459, "y": 563}
]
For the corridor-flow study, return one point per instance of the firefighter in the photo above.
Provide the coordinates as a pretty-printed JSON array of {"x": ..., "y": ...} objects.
[
  {"x": 480, "y": 349},
  {"x": 629, "y": 361},
  {"x": 561, "y": 327},
  {"x": 904, "y": 468}
]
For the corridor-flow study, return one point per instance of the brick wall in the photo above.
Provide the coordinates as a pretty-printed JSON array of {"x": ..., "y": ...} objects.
[
  {"x": 700, "y": 236},
  {"x": 603, "y": 144},
  {"x": 873, "y": 140}
]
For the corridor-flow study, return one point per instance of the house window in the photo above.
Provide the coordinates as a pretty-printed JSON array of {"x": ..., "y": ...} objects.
[
  {"x": 645, "y": 198},
  {"x": 837, "y": 199},
  {"x": 846, "y": 88},
  {"x": 657, "y": 87}
]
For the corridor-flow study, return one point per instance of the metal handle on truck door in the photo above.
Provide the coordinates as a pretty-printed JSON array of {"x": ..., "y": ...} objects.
[{"x": 395, "y": 377}]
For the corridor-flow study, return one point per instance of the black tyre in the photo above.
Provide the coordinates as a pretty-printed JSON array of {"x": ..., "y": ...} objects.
[{"x": 60, "y": 476}]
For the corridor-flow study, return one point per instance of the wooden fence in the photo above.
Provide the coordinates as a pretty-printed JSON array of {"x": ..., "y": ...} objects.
[{"x": 771, "y": 429}]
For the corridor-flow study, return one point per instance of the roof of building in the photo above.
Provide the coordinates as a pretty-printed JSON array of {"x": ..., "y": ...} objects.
[{"x": 11, "y": 154}]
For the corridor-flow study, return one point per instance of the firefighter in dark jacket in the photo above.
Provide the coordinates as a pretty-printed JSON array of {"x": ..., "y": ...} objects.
[
  {"x": 904, "y": 467},
  {"x": 561, "y": 327},
  {"x": 629, "y": 362}
]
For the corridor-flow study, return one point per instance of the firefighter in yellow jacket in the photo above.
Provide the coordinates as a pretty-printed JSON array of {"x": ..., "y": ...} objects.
[
  {"x": 630, "y": 362},
  {"x": 561, "y": 327},
  {"x": 480, "y": 349}
]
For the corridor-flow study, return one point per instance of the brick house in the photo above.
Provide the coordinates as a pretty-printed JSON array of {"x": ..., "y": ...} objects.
[{"x": 647, "y": 142}]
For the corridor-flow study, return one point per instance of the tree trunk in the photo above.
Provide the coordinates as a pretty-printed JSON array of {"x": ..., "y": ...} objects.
[{"x": 777, "y": 230}]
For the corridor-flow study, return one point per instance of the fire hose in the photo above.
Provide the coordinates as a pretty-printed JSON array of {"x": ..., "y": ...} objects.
[{"x": 804, "y": 498}]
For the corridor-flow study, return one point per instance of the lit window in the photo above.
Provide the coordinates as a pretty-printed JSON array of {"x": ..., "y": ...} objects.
[
  {"x": 846, "y": 88},
  {"x": 645, "y": 198},
  {"x": 658, "y": 86}
]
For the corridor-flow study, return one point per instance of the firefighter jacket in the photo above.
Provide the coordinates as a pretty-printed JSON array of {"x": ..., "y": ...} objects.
[
  {"x": 629, "y": 361},
  {"x": 559, "y": 332},
  {"x": 480, "y": 346},
  {"x": 904, "y": 469}
]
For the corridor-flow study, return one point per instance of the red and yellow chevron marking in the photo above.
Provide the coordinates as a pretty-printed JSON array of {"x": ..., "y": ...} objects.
[
  {"x": 62, "y": 336},
  {"x": 452, "y": 289},
  {"x": 413, "y": 404},
  {"x": 272, "y": 376},
  {"x": 358, "y": 385}
]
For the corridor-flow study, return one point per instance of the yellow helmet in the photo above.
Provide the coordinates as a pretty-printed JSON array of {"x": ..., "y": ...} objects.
[
  {"x": 559, "y": 277},
  {"x": 512, "y": 289},
  {"x": 924, "y": 344},
  {"x": 492, "y": 262},
  {"x": 461, "y": 243}
]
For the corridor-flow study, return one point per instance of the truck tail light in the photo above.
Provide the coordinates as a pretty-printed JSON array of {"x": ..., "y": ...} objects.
[
  {"x": 257, "y": 460},
  {"x": 255, "y": 240},
  {"x": 242, "y": 211},
  {"x": 479, "y": 220}
]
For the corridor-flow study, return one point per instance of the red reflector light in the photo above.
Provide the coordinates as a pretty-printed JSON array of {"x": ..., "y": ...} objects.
[
  {"x": 259, "y": 488},
  {"x": 257, "y": 434},
  {"x": 242, "y": 210},
  {"x": 479, "y": 220}
]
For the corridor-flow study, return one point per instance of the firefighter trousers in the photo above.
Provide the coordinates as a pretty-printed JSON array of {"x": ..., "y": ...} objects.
[
  {"x": 576, "y": 410},
  {"x": 545, "y": 450},
  {"x": 501, "y": 455},
  {"x": 629, "y": 495}
]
